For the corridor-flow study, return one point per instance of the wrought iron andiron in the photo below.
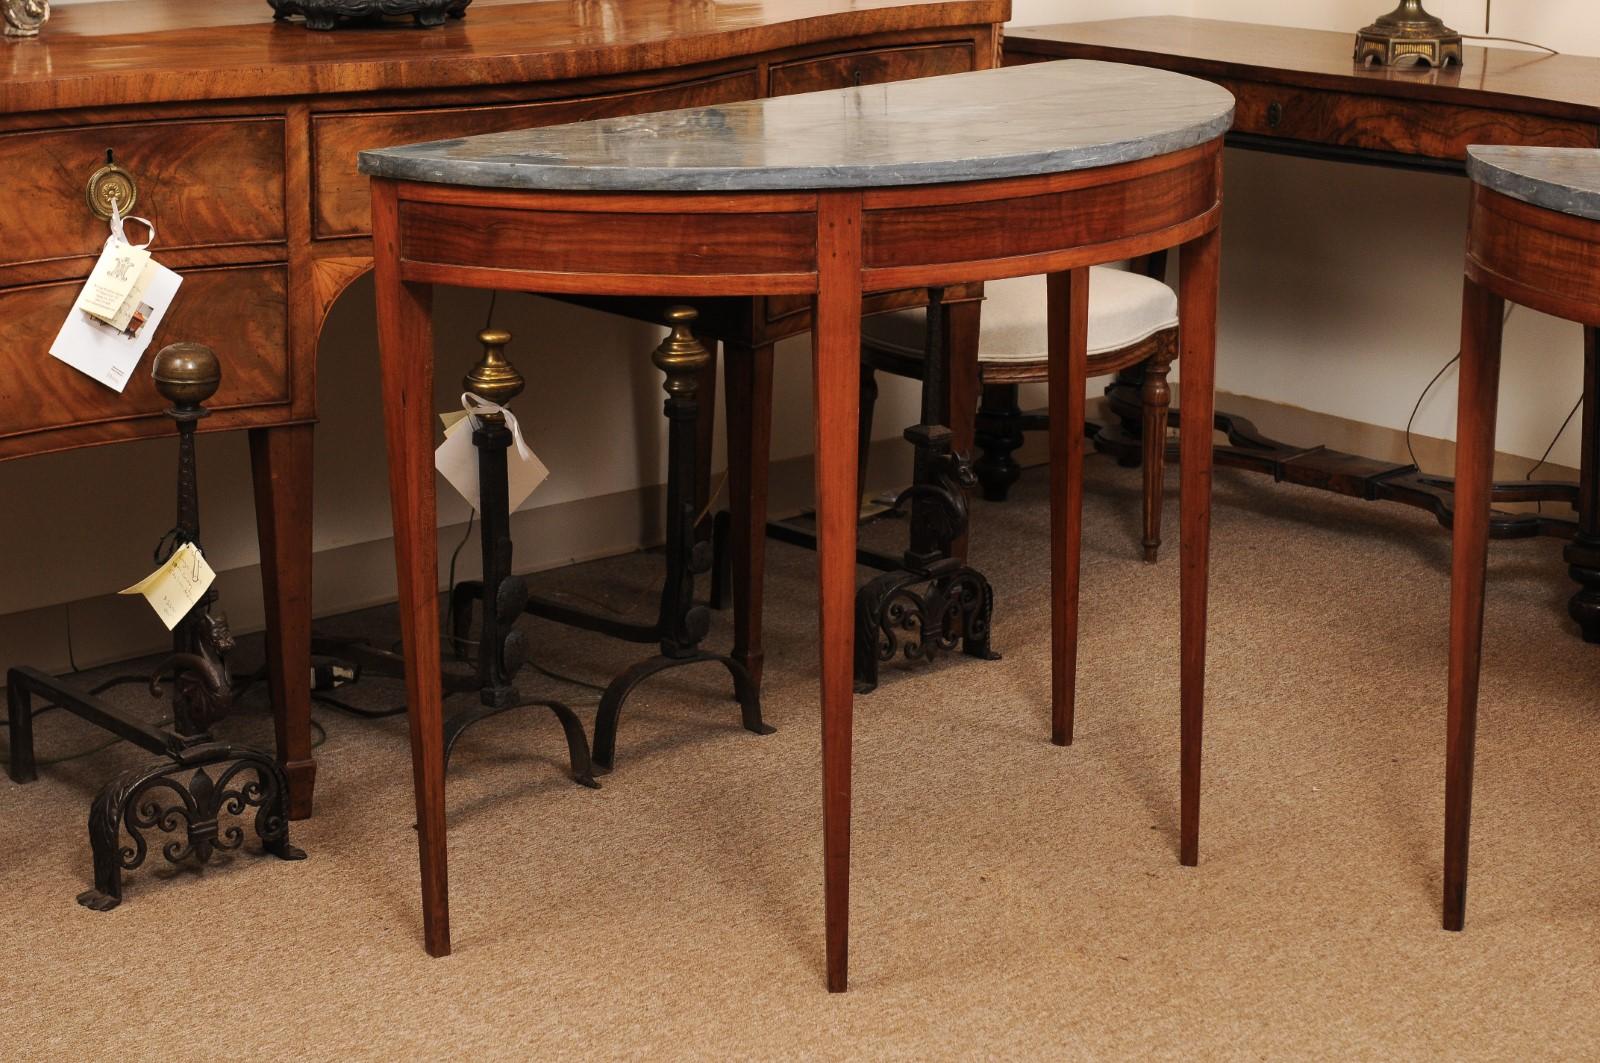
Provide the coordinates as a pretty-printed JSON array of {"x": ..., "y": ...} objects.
[
  {"x": 927, "y": 600},
  {"x": 933, "y": 599},
  {"x": 680, "y": 624},
  {"x": 502, "y": 648},
  {"x": 197, "y": 779}
]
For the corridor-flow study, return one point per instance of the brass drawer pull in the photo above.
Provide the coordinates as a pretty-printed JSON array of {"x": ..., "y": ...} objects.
[
  {"x": 111, "y": 182},
  {"x": 1274, "y": 115}
]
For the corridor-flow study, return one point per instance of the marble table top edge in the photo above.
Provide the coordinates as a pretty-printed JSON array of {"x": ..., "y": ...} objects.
[
  {"x": 984, "y": 125},
  {"x": 1566, "y": 180}
]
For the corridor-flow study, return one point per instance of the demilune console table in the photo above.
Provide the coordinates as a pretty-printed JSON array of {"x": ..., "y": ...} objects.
[
  {"x": 238, "y": 136},
  {"x": 1300, "y": 92},
  {"x": 829, "y": 196}
]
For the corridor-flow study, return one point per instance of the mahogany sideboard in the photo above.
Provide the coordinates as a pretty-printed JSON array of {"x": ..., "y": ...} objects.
[
  {"x": 1300, "y": 92},
  {"x": 241, "y": 135}
]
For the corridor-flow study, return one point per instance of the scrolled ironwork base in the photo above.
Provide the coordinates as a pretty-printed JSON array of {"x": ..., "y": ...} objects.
[
  {"x": 918, "y": 615},
  {"x": 132, "y": 803}
]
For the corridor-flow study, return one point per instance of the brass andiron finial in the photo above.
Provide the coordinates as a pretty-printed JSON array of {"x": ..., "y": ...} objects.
[
  {"x": 680, "y": 355},
  {"x": 186, "y": 375},
  {"x": 493, "y": 377},
  {"x": 1408, "y": 32}
]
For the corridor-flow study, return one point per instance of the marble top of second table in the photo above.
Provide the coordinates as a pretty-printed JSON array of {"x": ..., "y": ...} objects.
[
  {"x": 988, "y": 124},
  {"x": 1559, "y": 179}
]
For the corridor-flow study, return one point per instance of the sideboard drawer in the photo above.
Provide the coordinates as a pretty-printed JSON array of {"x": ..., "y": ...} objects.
[
  {"x": 870, "y": 67},
  {"x": 1381, "y": 123},
  {"x": 343, "y": 197},
  {"x": 241, "y": 312},
  {"x": 203, "y": 184}
]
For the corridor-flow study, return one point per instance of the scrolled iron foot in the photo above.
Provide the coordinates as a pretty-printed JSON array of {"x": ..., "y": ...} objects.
[
  {"x": 129, "y": 803},
  {"x": 917, "y": 616},
  {"x": 745, "y": 691},
  {"x": 571, "y": 726}
]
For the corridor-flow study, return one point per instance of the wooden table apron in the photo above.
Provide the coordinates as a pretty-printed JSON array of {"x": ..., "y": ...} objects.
[
  {"x": 833, "y": 245},
  {"x": 1550, "y": 262}
]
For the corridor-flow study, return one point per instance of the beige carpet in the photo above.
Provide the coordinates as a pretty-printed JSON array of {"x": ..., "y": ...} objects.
[{"x": 1012, "y": 899}]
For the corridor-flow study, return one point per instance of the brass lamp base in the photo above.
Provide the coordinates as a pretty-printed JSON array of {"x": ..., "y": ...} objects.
[{"x": 1408, "y": 33}]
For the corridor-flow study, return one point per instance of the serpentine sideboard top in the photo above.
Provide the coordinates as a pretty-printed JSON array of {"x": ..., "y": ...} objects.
[{"x": 988, "y": 124}]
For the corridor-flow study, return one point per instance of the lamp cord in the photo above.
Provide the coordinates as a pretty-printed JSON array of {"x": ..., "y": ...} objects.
[{"x": 1488, "y": 17}]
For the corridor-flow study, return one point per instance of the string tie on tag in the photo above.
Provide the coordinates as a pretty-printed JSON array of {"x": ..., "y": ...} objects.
[
  {"x": 476, "y": 406},
  {"x": 171, "y": 543},
  {"x": 119, "y": 222}
]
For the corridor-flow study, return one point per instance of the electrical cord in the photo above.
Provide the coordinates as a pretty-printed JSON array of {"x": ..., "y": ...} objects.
[
  {"x": 1417, "y": 406},
  {"x": 1488, "y": 30}
]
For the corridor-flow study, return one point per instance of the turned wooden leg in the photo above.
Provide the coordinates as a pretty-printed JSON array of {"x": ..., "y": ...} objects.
[
  {"x": 1198, "y": 264},
  {"x": 280, "y": 463},
  {"x": 836, "y": 351},
  {"x": 1156, "y": 397},
  {"x": 1068, "y": 331},
  {"x": 405, "y": 343},
  {"x": 1481, "y": 323},
  {"x": 747, "y": 375},
  {"x": 998, "y": 434}
]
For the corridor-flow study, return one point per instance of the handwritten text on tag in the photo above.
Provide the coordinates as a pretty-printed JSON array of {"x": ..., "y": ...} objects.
[{"x": 174, "y": 588}]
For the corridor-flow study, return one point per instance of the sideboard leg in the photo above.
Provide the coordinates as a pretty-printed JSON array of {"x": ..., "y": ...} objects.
[
  {"x": 280, "y": 461},
  {"x": 1479, "y": 396},
  {"x": 748, "y": 379},
  {"x": 836, "y": 354},
  {"x": 1583, "y": 553},
  {"x": 1199, "y": 261}
]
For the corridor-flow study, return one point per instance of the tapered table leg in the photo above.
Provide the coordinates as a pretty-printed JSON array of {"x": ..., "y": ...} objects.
[
  {"x": 280, "y": 460},
  {"x": 1198, "y": 265},
  {"x": 405, "y": 340},
  {"x": 1067, "y": 329},
  {"x": 748, "y": 376},
  {"x": 1481, "y": 323},
  {"x": 836, "y": 359}
]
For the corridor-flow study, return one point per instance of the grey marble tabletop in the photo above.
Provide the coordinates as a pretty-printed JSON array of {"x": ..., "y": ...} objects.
[
  {"x": 1562, "y": 179},
  {"x": 1010, "y": 122}
]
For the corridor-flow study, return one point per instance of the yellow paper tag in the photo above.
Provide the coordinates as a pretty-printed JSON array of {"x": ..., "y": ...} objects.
[{"x": 174, "y": 588}]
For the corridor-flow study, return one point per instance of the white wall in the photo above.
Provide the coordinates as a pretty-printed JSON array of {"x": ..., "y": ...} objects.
[{"x": 1342, "y": 283}]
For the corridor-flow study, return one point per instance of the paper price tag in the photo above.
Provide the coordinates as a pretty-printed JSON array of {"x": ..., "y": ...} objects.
[
  {"x": 457, "y": 461},
  {"x": 109, "y": 355},
  {"x": 174, "y": 588},
  {"x": 112, "y": 280}
]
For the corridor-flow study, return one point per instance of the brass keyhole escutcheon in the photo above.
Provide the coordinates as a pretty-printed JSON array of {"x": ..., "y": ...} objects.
[
  {"x": 1274, "y": 115},
  {"x": 111, "y": 182}
]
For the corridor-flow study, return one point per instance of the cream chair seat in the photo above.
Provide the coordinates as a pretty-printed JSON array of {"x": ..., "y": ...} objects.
[{"x": 1133, "y": 320}]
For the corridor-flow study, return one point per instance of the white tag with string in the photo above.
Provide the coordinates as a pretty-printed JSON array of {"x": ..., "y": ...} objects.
[
  {"x": 174, "y": 588},
  {"x": 119, "y": 310},
  {"x": 457, "y": 457}
]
